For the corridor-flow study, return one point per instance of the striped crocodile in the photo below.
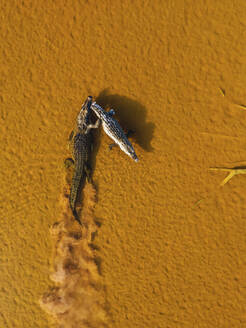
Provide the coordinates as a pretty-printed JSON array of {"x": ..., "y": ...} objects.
[
  {"x": 81, "y": 140},
  {"x": 113, "y": 129}
]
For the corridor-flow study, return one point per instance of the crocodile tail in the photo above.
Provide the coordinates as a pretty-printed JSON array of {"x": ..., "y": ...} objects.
[{"x": 76, "y": 216}]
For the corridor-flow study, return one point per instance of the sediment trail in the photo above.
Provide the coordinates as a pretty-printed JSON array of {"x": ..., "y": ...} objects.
[{"x": 77, "y": 299}]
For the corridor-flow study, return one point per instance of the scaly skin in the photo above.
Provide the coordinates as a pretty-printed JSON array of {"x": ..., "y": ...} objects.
[
  {"x": 114, "y": 130},
  {"x": 82, "y": 144}
]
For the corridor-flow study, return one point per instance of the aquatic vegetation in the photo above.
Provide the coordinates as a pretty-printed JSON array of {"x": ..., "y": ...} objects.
[{"x": 232, "y": 171}]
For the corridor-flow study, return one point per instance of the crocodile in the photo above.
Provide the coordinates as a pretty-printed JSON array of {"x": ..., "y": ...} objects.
[
  {"x": 81, "y": 140},
  {"x": 113, "y": 129}
]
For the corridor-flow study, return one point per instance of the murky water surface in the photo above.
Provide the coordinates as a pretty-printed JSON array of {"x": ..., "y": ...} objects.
[{"x": 171, "y": 241}]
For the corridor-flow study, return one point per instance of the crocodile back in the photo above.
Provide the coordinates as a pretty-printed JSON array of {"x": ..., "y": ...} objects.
[
  {"x": 84, "y": 117},
  {"x": 113, "y": 129},
  {"x": 110, "y": 125},
  {"x": 82, "y": 147}
]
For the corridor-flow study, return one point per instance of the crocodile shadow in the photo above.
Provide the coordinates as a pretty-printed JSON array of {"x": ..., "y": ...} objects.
[{"x": 131, "y": 115}]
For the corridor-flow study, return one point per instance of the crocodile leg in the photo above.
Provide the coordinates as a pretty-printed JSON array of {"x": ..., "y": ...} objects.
[
  {"x": 129, "y": 133},
  {"x": 70, "y": 139},
  {"x": 111, "y": 112},
  {"x": 112, "y": 145},
  {"x": 68, "y": 162},
  {"x": 71, "y": 136}
]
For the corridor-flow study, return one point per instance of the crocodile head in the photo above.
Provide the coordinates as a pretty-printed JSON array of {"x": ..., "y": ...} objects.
[
  {"x": 134, "y": 156},
  {"x": 87, "y": 103},
  {"x": 83, "y": 118},
  {"x": 98, "y": 110}
]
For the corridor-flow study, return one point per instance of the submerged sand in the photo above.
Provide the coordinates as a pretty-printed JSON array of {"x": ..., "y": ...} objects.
[{"x": 171, "y": 241}]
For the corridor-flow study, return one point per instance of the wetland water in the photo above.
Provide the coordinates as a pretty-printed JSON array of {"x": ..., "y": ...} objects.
[{"x": 171, "y": 240}]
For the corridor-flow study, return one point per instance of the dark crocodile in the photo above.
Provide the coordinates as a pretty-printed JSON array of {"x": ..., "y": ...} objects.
[{"x": 81, "y": 140}]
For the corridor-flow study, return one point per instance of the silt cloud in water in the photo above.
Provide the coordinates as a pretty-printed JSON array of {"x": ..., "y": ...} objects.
[{"x": 78, "y": 299}]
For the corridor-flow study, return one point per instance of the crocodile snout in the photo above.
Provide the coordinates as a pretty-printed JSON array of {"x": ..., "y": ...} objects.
[{"x": 134, "y": 156}]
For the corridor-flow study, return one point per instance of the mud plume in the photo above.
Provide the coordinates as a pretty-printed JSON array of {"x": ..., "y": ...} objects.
[{"x": 77, "y": 300}]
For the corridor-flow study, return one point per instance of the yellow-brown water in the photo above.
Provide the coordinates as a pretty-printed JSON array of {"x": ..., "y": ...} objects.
[
  {"x": 78, "y": 298},
  {"x": 171, "y": 241}
]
